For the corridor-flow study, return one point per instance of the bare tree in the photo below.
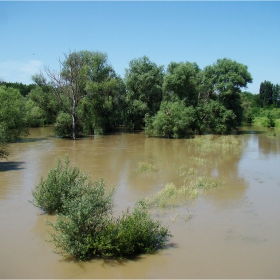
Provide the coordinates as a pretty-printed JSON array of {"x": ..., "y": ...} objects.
[{"x": 81, "y": 74}]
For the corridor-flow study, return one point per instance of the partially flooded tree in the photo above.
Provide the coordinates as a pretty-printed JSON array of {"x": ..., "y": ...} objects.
[
  {"x": 4, "y": 152},
  {"x": 80, "y": 75},
  {"x": 67, "y": 85}
]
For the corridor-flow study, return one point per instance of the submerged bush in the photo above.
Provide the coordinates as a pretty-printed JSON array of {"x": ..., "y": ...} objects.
[
  {"x": 88, "y": 230},
  {"x": 85, "y": 226},
  {"x": 61, "y": 183},
  {"x": 63, "y": 125},
  {"x": 83, "y": 220}
]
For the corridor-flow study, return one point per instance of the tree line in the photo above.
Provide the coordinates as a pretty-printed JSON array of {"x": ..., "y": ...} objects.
[{"x": 86, "y": 96}]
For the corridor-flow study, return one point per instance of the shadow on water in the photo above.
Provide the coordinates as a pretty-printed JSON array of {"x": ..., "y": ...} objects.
[
  {"x": 11, "y": 165},
  {"x": 31, "y": 140},
  {"x": 243, "y": 132}
]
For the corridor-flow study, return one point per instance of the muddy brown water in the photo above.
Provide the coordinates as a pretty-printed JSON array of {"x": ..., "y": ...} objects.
[{"x": 233, "y": 232}]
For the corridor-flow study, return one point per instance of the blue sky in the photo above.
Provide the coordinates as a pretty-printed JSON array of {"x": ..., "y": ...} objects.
[{"x": 36, "y": 34}]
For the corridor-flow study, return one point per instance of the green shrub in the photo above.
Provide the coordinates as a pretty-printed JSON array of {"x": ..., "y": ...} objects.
[
  {"x": 173, "y": 120},
  {"x": 85, "y": 218},
  {"x": 62, "y": 182},
  {"x": 138, "y": 233},
  {"x": 63, "y": 125},
  {"x": 85, "y": 226},
  {"x": 89, "y": 230},
  {"x": 270, "y": 120}
]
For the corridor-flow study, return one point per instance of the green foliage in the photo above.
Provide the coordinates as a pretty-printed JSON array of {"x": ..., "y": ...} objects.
[
  {"x": 35, "y": 116},
  {"x": 270, "y": 120},
  {"x": 22, "y": 88},
  {"x": 62, "y": 183},
  {"x": 85, "y": 227},
  {"x": 84, "y": 75},
  {"x": 100, "y": 110},
  {"x": 247, "y": 100},
  {"x": 276, "y": 96},
  {"x": 147, "y": 167},
  {"x": 220, "y": 120},
  {"x": 86, "y": 215},
  {"x": 173, "y": 120},
  {"x": 12, "y": 114},
  {"x": 43, "y": 97},
  {"x": 266, "y": 93},
  {"x": 143, "y": 81},
  {"x": 224, "y": 81},
  {"x": 226, "y": 77},
  {"x": 137, "y": 232},
  {"x": 89, "y": 230},
  {"x": 63, "y": 125},
  {"x": 171, "y": 195},
  {"x": 182, "y": 80},
  {"x": 4, "y": 152}
]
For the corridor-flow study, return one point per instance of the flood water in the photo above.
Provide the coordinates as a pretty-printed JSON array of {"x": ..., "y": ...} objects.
[{"x": 233, "y": 232}]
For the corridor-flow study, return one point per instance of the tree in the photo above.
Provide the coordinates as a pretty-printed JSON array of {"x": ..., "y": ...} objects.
[
  {"x": 173, "y": 120},
  {"x": 219, "y": 119},
  {"x": 247, "y": 100},
  {"x": 83, "y": 74},
  {"x": 266, "y": 93},
  {"x": 100, "y": 110},
  {"x": 143, "y": 81},
  {"x": 223, "y": 81},
  {"x": 23, "y": 89},
  {"x": 44, "y": 98},
  {"x": 182, "y": 80},
  {"x": 12, "y": 114},
  {"x": 4, "y": 152},
  {"x": 276, "y": 96}
]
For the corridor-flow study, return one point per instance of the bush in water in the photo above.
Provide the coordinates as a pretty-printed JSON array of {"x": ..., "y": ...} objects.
[
  {"x": 85, "y": 226},
  {"x": 62, "y": 183}
]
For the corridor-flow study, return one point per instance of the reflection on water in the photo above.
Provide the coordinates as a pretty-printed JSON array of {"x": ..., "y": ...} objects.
[{"x": 233, "y": 231}]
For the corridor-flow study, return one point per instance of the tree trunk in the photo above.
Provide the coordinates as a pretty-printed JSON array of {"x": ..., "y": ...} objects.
[
  {"x": 73, "y": 127},
  {"x": 73, "y": 121}
]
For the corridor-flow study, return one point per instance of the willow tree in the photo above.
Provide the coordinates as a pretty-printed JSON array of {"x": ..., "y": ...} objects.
[
  {"x": 143, "y": 81},
  {"x": 182, "y": 81},
  {"x": 223, "y": 82},
  {"x": 80, "y": 75}
]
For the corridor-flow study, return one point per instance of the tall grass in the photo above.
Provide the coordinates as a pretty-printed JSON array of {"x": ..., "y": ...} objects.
[
  {"x": 148, "y": 166},
  {"x": 208, "y": 144},
  {"x": 171, "y": 196}
]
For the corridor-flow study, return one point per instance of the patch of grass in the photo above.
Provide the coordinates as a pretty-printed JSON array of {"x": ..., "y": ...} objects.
[
  {"x": 223, "y": 144},
  {"x": 146, "y": 167},
  {"x": 201, "y": 161},
  {"x": 184, "y": 172},
  {"x": 171, "y": 196},
  {"x": 260, "y": 120},
  {"x": 271, "y": 133}
]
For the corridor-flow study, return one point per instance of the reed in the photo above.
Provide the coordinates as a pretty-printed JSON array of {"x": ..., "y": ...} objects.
[
  {"x": 171, "y": 196},
  {"x": 223, "y": 144},
  {"x": 146, "y": 167}
]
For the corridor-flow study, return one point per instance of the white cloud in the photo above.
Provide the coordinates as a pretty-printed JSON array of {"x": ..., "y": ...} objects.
[{"x": 19, "y": 71}]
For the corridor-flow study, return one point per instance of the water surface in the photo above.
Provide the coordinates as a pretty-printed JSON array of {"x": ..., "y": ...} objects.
[{"x": 233, "y": 233}]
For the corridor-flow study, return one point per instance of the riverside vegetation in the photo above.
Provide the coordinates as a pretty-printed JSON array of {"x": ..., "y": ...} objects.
[
  {"x": 193, "y": 181},
  {"x": 85, "y": 226},
  {"x": 88, "y": 97}
]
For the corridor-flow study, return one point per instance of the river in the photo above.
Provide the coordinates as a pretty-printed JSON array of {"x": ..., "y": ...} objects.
[{"x": 230, "y": 232}]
